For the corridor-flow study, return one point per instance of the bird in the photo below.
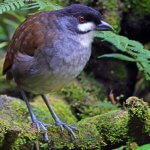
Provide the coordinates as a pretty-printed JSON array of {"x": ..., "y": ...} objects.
[{"x": 50, "y": 49}]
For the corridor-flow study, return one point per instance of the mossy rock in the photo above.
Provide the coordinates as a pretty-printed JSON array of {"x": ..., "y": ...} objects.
[
  {"x": 15, "y": 130},
  {"x": 139, "y": 114},
  {"x": 15, "y": 123},
  {"x": 96, "y": 132}
]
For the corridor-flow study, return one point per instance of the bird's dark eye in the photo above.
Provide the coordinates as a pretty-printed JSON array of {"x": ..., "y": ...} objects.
[{"x": 82, "y": 19}]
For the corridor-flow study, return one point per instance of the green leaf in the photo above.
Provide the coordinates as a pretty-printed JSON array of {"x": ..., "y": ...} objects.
[
  {"x": 21, "y": 3},
  {"x": 7, "y": 7},
  {"x": 144, "y": 147},
  {"x": 3, "y": 44},
  {"x": 12, "y": 6},
  {"x": 17, "y": 5},
  {"x": 118, "y": 56}
]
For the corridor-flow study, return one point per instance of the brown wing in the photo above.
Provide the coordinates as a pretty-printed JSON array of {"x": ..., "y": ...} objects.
[{"x": 28, "y": 37}]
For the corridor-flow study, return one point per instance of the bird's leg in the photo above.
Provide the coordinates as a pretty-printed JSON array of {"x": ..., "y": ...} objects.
[
  {"x": 57, "y": 120},
  {"x": 33, "y": 117}
]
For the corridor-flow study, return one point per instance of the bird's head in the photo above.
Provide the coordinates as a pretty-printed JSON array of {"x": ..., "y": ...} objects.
[{"x": 81, "y": 19}]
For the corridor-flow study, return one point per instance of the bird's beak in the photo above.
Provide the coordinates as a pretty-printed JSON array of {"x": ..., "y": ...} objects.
[{"x": 104, "y": 26}]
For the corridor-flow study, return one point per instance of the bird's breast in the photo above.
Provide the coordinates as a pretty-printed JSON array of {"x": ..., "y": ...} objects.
[{"x": 70, "y": 60}]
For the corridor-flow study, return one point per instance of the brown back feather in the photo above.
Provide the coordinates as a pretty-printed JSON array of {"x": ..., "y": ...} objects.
[{"x": 28, "y": 37}]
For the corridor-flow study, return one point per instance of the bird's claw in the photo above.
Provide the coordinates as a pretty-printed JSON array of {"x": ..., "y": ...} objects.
[
  {"x": 39, "y": 124},
  {"x": 68, "y": 127}
]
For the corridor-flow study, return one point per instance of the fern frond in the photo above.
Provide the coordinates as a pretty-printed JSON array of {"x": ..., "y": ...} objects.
[
  {"x": 3, "y": 44},
  {"x": 42, "y": 5},
  {"x": 118, "y": 56},
  {"x": 11, "y": 5},
  {"x": 133, "y": 51}
]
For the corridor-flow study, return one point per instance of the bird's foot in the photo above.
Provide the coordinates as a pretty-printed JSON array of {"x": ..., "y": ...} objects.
[
  {"x": 69, "y": 128},
  {"x": 43, "y": 126}
]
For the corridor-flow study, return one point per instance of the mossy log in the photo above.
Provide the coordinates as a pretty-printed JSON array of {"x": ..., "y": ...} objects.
[{"x": 105, "y": 130}]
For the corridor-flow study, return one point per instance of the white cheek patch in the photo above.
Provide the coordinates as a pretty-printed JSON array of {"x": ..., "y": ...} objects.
[{"x": 84, "y": 27}]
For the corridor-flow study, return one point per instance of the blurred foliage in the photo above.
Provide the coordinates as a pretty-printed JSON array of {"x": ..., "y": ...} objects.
[{"x": 138, "y": 7}]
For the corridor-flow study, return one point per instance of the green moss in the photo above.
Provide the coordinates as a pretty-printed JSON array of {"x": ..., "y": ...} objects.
[
  {"x": 111, "y": 130},
  {"x": 139, "y": 114},
  {"x": 21, "y": 109},
  {"x": 3, "y": 130},
  {"x": 95, "y": 132},
  {"x": 114, "y": 131},
  {"x": 24, "y": 140},
  {"x": 138, "y": 108},
  {"x": 138, "y": 7},
  {"x": 108, "y": 127},
  {"x": 74, "y": 92}
]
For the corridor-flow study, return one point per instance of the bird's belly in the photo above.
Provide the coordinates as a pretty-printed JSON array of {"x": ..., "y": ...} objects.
[
  {"x": 42, "y": 85},
  {"x": 50, "y": 81}
]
